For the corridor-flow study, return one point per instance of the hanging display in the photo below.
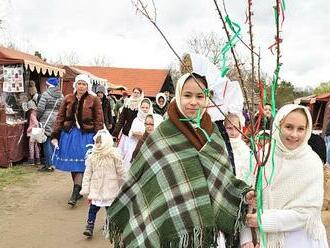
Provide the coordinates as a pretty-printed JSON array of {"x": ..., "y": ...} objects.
[{"x": 13, "y": 78}]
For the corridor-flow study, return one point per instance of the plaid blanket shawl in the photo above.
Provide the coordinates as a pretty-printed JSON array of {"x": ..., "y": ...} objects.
[{"x": 176, "y": 196}]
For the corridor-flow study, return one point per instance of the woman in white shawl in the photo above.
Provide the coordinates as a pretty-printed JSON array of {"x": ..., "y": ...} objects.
[
  {"x": 126, "y": 118},
  {"x": 137, "y": 129},
  {"x": 293, "y": 200}
]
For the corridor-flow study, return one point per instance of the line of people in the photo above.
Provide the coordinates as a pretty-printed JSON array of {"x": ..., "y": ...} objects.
[{"x": 171, "y": 181}]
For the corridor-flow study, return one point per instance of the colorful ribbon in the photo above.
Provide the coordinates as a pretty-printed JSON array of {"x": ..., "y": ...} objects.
[
  {"x": 236, "y": 29},
  {"x": 197, "y": 121}
]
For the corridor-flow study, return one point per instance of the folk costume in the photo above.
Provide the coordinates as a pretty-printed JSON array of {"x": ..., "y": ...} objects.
[
  {"x": 180, "y": 190},
  {"x": 76, "y": 123},
  {"x": 293, "y": 200},
  {"x": 124, "y": 123}
]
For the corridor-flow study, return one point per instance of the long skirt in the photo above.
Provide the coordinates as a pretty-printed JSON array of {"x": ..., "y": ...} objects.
[{"x": 70, "y": 156}]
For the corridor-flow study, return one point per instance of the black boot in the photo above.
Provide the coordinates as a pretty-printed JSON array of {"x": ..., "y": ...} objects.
[
  {"x": 75, "y": 195},
  {"x": 89, "y": 229}
]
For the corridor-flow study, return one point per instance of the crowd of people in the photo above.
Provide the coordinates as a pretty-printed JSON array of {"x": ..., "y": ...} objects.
[{"x": 170, "y": 173}]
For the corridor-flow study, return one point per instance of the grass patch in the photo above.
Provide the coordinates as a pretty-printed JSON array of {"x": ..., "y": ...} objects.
[{"x": 17, "y": 173}]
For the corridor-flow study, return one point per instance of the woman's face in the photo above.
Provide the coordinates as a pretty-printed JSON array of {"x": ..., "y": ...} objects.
[
  {"x": 100, "y": 95},
  {"x": 293, "y": 130},
  {"x": 81, "y": 87},
  {"x": 161, "y": 101},
  {"x": 192, "y": 98},
  {"x": 136, "y": 93},
  {"x": 145, "y": 107}
]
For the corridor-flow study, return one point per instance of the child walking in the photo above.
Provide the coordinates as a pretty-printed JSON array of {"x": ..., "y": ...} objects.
[
  {"x": 103, "y": 176},
  {"x": 34, "y": 151}
]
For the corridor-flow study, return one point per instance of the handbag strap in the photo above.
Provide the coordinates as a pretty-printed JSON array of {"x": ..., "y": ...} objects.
[{"x": 51, "y": 113}]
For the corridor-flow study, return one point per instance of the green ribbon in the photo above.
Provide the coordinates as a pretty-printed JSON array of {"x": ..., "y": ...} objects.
[
  {"x": 249, "y": 173},
  {"x": 273, "y": 89},
  {"x": 236, "y": 29},
  {"x": 284, "y": 4},
  {"x": 260, "y": 206},
  {"x": 207, "y": 92},
  {"x": 197, "y": 121}
]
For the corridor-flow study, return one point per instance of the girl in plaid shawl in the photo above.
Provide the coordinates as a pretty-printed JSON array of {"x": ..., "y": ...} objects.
[{"x": 180, "y": 190}]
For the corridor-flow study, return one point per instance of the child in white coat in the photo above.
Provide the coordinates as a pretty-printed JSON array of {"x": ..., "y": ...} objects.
[{"x": 103, "y": 176}]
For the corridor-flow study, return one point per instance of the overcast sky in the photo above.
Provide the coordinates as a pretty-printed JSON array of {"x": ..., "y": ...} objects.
[{"x": 112, "y": 28}]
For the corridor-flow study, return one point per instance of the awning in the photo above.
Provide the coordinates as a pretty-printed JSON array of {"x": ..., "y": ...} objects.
[{"x": 11, "y": 56}]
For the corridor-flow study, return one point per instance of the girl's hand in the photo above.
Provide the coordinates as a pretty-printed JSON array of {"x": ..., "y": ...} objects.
[
  {"x": 251, "y": 198},
  {"x": 251, "y": 220}
]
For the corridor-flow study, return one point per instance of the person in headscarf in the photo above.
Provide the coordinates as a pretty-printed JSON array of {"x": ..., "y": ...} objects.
[
  {"x": 227, "y": 95},
  {"x": 106, "y": 107},
  {"x": 180, "y": 190},
  {"x": 160, "y": 106},
  {"x": 48, "y": 107},
  {"x": 80, "y": 116},
  {"x": 293, "y": 199},
  {"x": 103, "y": 176},
  {"x": 124, "y": 123},
  {"x": 138, "y": 128},
  {"x": 242, "y": 152}
]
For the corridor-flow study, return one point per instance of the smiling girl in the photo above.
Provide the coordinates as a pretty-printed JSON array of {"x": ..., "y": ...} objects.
[{"x": 293, "y": 200}]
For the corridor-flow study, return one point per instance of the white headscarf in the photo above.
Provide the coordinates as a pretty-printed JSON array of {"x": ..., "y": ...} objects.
[
  {"x": 106, "y": 148},
  {"x": 86, "y": 79},
  {"x": 178, "y": 92},
  {"x": 281, "y": 114},
  {"x": 159, "y": 95},
  {"x": 141, "y": 115},
  {"x": 226, "y": 94}
]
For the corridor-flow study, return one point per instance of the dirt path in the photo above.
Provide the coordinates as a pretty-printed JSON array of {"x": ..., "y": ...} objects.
[{"x": 35, "y": 214}]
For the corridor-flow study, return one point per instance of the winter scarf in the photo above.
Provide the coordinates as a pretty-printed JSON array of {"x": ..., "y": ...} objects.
[{"x": 177, "y": 196}]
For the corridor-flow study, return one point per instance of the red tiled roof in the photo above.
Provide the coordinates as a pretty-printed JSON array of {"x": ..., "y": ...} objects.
[
  {"x": 149, "y": 80},
  {"x": 11, "y": 56}
]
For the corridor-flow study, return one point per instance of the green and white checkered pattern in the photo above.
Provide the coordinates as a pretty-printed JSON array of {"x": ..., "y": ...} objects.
[{"x": 176, "y": 196}]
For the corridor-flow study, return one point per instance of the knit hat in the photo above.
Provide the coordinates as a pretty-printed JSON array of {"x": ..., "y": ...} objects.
[
  {"x": 52, "y": 81},
  {"x": 101, "y": 88}
]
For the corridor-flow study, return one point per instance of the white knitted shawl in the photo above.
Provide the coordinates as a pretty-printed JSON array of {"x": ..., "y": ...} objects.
[{"x": 297, "y": 183}]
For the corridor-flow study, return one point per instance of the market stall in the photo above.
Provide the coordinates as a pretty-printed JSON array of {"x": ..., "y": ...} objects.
[
  {"x": 16, "y": 71},
  {"x": 320, "y": 109},
  {"x": 71, "y": 72}
]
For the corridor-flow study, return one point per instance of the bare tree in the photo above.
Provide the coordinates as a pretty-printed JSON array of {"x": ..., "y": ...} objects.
[
  {"x": 207, "y": 44},
  {"x": 67, "y": 58},
  {"x": 101, "y": 60}
]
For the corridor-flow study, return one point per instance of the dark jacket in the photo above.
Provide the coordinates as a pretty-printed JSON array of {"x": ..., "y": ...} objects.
[
  {"x": 89, "y": 114},
  {"x": 106, "y": 107},
  {"x": 318, "y": 146},
  {"x": 125, "y": 121}
]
